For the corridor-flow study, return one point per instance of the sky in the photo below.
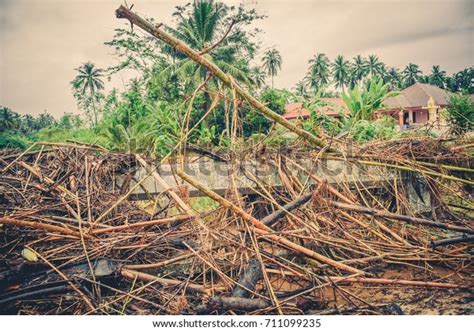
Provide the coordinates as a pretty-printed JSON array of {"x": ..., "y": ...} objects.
[{"x": 42, "y": 41}]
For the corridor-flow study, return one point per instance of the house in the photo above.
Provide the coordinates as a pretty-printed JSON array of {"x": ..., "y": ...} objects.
[
  {"x": 332, "y": 107},
  {"x": 417, "y": 105}
]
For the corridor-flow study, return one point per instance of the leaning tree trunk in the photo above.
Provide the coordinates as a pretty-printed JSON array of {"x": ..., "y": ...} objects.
[{"x": 178, "y": 45}]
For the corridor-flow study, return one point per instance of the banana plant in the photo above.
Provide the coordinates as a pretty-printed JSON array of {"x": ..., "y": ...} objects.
[{"x": 363, "y": 102}]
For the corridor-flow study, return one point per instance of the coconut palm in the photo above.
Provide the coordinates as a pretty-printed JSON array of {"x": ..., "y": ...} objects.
[
  {"x": 8, "y": 119},
  {"x": 438, "y": 77},
  {"x": 45, "y": 120},
  {"x": 393, "y": 78},
  {"x": 87, "y": 84},
  {"x": 258, "y": 76},
  {"x": 464, "y": 80},
  {"x": 319, "y": 71},
  {"x": 340, "y": 72},
  {"x": 359, "y": 69},
  {"x": 213, "y": 29},
  {"x": 411, "y": 74},
  {"x": 28, "y": 123},
  {"x": 272, "y": 62},
  {"x": 301, "y": 89},
  {"x": 374, "y": 66}
]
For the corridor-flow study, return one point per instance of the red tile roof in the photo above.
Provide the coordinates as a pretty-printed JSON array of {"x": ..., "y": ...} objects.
[{"x": 295, "y": 110}]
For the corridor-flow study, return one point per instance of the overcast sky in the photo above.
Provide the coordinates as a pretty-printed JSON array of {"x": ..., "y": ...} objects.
[{"x": 42, "y": 41}]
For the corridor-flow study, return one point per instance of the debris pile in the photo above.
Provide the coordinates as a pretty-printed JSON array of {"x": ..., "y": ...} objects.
[{"x": 73, "y": 242}]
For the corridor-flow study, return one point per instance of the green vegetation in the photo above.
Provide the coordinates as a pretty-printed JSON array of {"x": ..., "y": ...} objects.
[
  {"x": 365, "y": 101},
  {"x": 383, "y": 128},
  {"x": 460, "y": 113},
  {"x": 18, "y": 131}
]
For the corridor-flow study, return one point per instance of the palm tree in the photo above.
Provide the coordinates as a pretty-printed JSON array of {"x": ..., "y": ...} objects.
[
  {"x": 8, "y": 119},
  {"x": 258, "y": 77},
  {"x": 393, "y": 78},
  {"x": 28, "y": 123},
  {"x": 374, "y": 66},
  {"x": 45, "y": 120},
  {"x": 301, "y": 89},
  {"x": 87, "y": 84},
  {"x": 340, "y": 72},
  {"x": 217, "y": 32},
  {"x": 464, "y": 80},
  {"x": 211, "y": 28},
  {"x": 319, "y": 71},
  {"x": 411, "y": 74},
  {"x": 272, "y": 62},
  {"x": 360, "y": 69}
]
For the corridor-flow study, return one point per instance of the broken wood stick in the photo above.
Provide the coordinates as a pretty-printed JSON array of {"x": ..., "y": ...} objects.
[
  {"x": 262, "y": 229},
  {"x": 144, "y": 224},
  {"x": 277, "y": 215},
  {"x": 222, "y": 201},
  {"x": 320, "y": 180},
  {"x": 47, "y": 180},
  {"x": 408, "y": 219},
  {"x": 305, "y": 251},
  {"x": 181, "y": 47},
  {"x": 60, "y": 273},
  {"x": 132, "y": 274},
  {"x": 453, "y": 240},
  {"x": 119, "y": 201},
  {"x": 159, "y": 264},
  {"x": 40, "y": 226},
  {"x": 180, "y": 203}
]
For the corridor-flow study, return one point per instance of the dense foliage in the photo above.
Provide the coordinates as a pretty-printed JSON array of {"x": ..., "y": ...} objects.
[
  {"x": 343, "y": 73},
  {"x": 364, "y": 101},
  {"x": 460, "y": 113}
]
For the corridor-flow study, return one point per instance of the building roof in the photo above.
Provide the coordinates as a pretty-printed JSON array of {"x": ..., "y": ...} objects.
[
  {"x": 295, "y": 109},
  {"x": 417, "y": 95}
]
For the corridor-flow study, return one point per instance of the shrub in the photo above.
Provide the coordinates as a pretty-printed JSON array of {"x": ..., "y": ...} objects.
[
  {"x": 363, "y": 130},
  {"x": 460, "y": 114},
  {"x": 13, "y": 140}
]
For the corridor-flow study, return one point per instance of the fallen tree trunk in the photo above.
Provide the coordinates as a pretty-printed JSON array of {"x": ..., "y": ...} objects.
[{"x": 178, "y": 45}]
